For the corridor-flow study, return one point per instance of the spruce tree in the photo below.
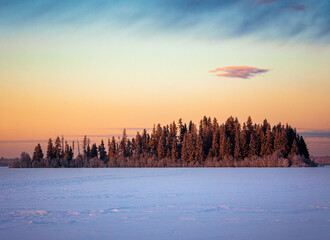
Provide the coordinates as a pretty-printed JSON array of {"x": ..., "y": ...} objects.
[
  {"x": 112, "y": 149},
  {"x": 50, "y": 149},
  {"x": 267, "y": 143},
  {"x": 93, "y": 151},
  {"x": 102, "y": 152},
  {"x": 294, "y": 149},
  {"x": 174, "y": 150},
  {"x": 161, "y": 147},
  {"x": 37, "y": 156},
  {"x": 237, "y": 151},
  {"x": 57, "y": 148}
]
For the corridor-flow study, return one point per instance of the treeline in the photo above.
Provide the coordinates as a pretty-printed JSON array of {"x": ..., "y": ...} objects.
[{"x": 210, "y": 144}]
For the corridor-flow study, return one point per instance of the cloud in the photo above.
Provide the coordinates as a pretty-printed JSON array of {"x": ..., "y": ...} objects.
[
  {"x": 238, "y": 71},
  {"x": 262, "y": 19},
  {"x": 315, "y": 133},
  {"x": 300, "y": 7},
  {"x": 266, "y": 1}
]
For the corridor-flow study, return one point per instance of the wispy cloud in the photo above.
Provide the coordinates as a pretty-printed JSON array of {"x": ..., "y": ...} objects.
[
  {"x": 316, "y": 133},
  {"x": 300, "y": 7},
  {"x": 263, "y": 19},
  {"x": 238, "y": 71},
  {"x": 266, "y": 1}
]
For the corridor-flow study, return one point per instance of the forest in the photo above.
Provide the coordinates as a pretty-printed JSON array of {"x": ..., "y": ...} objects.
[{"x": 210, "y": 144}]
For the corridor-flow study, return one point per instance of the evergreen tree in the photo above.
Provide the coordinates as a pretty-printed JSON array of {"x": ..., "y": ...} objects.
[
  {"x": 253, "y": 148},
  {"x": 303, "y": 151},
  {"x": 123, "y": 144},
  {"x": 161, "y": 148},
  {"x": 50, "y": 149},
  {"x": 85, "y": 144},
  {"x": 57, "y": 148},
  {"x": 237, "y": 151},
  {"x": 244, "y": 144},
  {"x": 93, "y": 151},
  {"x": 184, "y": 150},
  {"x": 37, "y": 156},
  {"x": 112, "y": 149},
  {"x": 199, "y": 156},
  {"x": 138, "y": 143},
  {"x": 102, "y": 152},
  {"x": 267, "y": 143},
  {"x": 174, "y": 150},
  {"x": 280, "y": 140},
  {"x": 88, "y": 151},
  {"x": 215, "y": 149},
  {"x": 294, "y": 149}
]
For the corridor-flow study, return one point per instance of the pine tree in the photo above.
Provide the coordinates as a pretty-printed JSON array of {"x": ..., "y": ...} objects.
[
  {"x": 184, "y": 150},
  {"x": 215, "y": 149},
  {"x": 174, "y": 150},
  {"x": 93, "y": 151},
  {"x": 303, "y": 151},
  {"x": 145, "y": 141},
  {"x": 294, "y": 149},
  {"x": 50, "y": 149},
  {"x": 102, "y": 152},
  {"x": 85, "y": 144},
  {"x": 267, "y": 143},
  {"x": 138, "y": 143},
  {"x": 281, "y": 140},
  {"x": 161, "y": 147},
  {"x": 222, "y": 146},
  {"x": 253, "y": 146},
  {"x": 244, "y": 144},
  {"x": 237, "y": 151},
  {"x": 88, "y": 152},
  {"x": 123, "y": 144},
  {"x": 57, "y": 148},
  {"x": 199, "y": 156},
  {"x": 112, "y": 149},
  {"x": 37, "y": 156}
]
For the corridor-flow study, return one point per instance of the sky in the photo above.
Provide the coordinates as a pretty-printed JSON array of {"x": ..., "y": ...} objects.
[{"x": 95, "y": 67}]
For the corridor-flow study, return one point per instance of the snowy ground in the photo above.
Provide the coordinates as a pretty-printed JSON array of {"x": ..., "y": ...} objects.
[{"x": 165, "y": 203}]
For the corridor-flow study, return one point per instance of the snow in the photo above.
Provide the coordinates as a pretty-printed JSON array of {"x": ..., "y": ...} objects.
[{"x": 167, "y": 203}]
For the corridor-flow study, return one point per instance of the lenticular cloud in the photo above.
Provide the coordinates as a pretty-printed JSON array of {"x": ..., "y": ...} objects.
[{"x": 238, "y": 71}]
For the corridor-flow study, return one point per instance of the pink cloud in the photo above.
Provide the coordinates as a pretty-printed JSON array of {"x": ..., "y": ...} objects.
[
  {"x": 238, "y": 71},
  {"x": 266, "y": 1},
  {"x": 300, "y": 7}
]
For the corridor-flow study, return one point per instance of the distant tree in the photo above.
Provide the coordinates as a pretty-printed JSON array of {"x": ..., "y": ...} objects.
[
  {"x": 267, "y": 143},
  {"x": 294, "y": 149},
  {"x": 238, "y": 151},
  {"x": 123, "y": 144},
  {"x": 112, "y": 152},
  {"x": 244, "y": 142},
  {"x": 93, "y": 151},
  {"x": 161, "y": 148},
  {"x": 138, "y": 143},
  {"x": 253, "y": 148},
  {"x": 102, "y": 152},
  {"x": 68, "y": 153},
  {"x": 174, "y": 150},
  {"x": 37, "y": 156},
  {"x": 199, "y": 155},
  {"x": 303, "y": 151},
  {"x": 50, "y": 149},
  {"x": 88, "y": 152},
  {"x": 85, "y": 144},
  {"x": 57, "y": 148},
  {"x": 25, "y": 160}
]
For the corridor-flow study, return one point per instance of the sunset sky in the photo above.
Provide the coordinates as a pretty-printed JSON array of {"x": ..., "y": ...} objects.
[{"x": 95, "y": 67}]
